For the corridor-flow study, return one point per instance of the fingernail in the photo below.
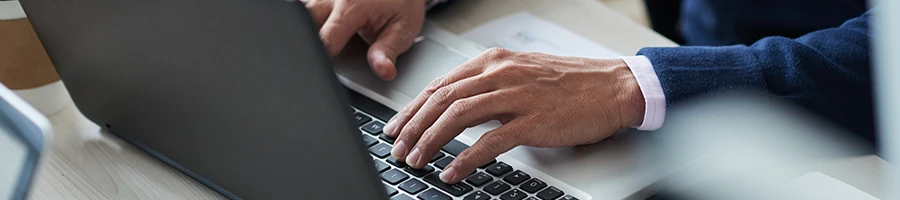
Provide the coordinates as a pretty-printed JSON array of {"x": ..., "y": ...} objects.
[
  {"x": 448, "y": 174},
  {"x": 399, "y": 150},
  {"x": 388, "y": 61},
  {"x": 383, "y": 66},
  {"x": 389, "y": 127},
  {"x": 413, "y": 158}
]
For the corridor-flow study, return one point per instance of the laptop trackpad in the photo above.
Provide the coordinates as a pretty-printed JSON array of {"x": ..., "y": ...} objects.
[
  {"x": 416, "y": 68},
  {"x": 426, "y": 61}
]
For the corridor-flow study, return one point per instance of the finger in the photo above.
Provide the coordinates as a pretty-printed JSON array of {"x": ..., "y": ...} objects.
[
  {"x": 489, "y": 146},
  {"x": 432, "y": 109},
  {"x": 370, "y": 31},
  {"x": 470, "y": 68},
  {"x": 460, "y": 115},
  {"x": 319, "y": 10},
  {"x": 393, "y": 40},
  {"x": 341, "y": 25}
]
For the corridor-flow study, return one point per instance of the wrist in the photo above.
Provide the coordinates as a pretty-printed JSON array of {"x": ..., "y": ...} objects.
[
  {"x": 651, "y": 90},
  {"x": 633, "y": 104}
]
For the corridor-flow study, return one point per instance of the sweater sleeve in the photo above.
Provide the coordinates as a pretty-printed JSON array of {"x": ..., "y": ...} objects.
[{"x": 826, "y": 71}]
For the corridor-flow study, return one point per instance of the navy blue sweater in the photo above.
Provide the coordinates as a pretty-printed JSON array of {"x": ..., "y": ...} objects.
[{"x": 826, "y": 71}]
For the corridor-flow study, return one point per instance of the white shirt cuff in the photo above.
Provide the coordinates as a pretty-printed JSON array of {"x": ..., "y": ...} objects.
[{"x": 654, "y": 98}]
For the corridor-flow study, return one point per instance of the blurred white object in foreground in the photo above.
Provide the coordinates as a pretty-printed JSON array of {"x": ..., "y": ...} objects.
[
  {"x": 886, "y": 44},
  {"x": 749, "y": 146}
]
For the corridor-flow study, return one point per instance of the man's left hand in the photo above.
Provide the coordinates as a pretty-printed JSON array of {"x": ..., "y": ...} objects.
[{"x": 541, "y": 100}]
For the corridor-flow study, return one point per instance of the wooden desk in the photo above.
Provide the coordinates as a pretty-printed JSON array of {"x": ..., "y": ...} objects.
[{"x": 86, "y": 164}]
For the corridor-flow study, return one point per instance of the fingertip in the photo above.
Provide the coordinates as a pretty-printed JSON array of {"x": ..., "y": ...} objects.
[
  {"x": 400, "y": 150},
  {"x": 385, "y": 69},
  {"x": 448, "y": 175},
  {"x": 413, "y": 158},
  {"x": 328, "y": 47},
  {"x": 389, "y": 128}
]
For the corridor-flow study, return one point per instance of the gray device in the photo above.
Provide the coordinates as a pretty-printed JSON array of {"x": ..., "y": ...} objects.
[{"x": 238, "y": 94}]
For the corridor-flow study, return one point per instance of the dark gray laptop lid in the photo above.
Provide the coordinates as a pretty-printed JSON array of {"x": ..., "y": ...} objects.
[{"x": 236, "y": 93}]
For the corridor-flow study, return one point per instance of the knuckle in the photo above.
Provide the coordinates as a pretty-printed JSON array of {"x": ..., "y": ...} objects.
[
  {"x": 442, "y": 96},
  {"x": 435, "y": 85},
  {"x": 465, "y": 160},
  {"x": 491, "y": 147},
  {"x": 458, "y": 108},
  {"x": 498, "y": 139},
  {"x": 411, "y": 129},
  {"x": 469, "y": 158},
  {"x": 496, "y": 51},
  {"x": 506, "y": 68},
  {"x": 496, "y": 75},
  {"x": 426, "y": 139}
]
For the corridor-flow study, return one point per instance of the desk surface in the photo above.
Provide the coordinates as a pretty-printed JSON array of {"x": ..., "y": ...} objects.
[{"x": 86, "y": 164}]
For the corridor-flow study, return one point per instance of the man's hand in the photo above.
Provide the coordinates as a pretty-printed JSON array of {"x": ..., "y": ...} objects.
[
  {"x": 541, "y": 100},
  {"x": 390, "y": 26}
]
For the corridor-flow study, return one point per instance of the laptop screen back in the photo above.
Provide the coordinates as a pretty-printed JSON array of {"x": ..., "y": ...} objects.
[{"x": 238, "y": 94}]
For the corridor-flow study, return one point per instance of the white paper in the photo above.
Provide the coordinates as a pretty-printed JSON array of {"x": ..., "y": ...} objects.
[{"x": 524, "y": 32}]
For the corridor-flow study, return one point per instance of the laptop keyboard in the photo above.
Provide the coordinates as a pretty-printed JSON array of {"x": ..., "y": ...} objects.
[{"x": 495, "y": 180}]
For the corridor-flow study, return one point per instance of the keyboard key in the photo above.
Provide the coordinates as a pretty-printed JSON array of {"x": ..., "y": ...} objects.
[
  {"x": 373, "y": 127},
  {"x": 402, "y": 197},
  {"x": 513, "y": 195},
  {"x": 381, "y": 166},
  {"x": 369, "y": 140},
  {"x": 386, "y": 138},
  {"x": 488, "y": 164},
  {"x": 419, "y": 172},
  {"x": 455, "y": 147},
  {"x": 478, "y": 195},
  {"x": 550, "y": 193},
  {"x": 443, "y": 162},
  {"x": 532, "y": 198},
  {"x": 394, "y": 162},
  {"x": 390, "y": 190},
  {"x": 432, "y": 194},
  {"x": 479, "y": 179},
  {"x": 533, "y": 185},
  {"x": 496, "y": 188},
  {"x": 498, "y": 169},
  {"x": 381, "y": 150},
  {"x": 456, "y": 189},
  {"x": 517, "y": 177},
  {"x": 413, "y": 186},
  {"x": 394, "y": 176},
  {"x": 361, "y": 119},
  {"x": 568, "y": 197},
  {"x": 437, "y": 156}
]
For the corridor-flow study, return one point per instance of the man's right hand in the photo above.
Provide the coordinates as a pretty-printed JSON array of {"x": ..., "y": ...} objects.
[{"x": 390, "y": 26}]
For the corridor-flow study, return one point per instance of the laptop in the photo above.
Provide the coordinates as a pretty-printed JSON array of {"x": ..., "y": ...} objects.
[
  {"x": 241, "y": 96},
  {"x": 23, "y": 133}
]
